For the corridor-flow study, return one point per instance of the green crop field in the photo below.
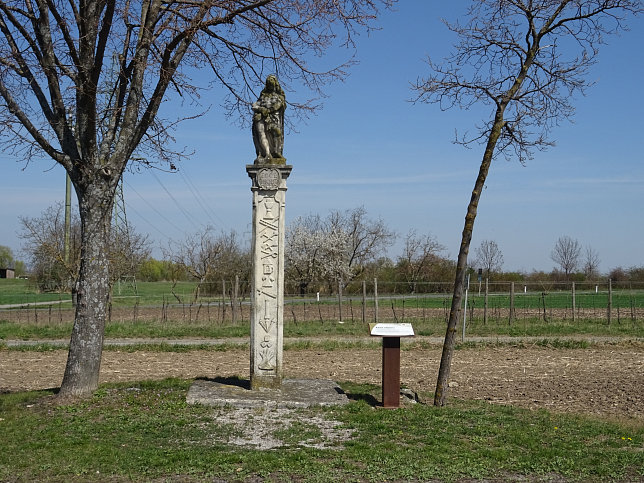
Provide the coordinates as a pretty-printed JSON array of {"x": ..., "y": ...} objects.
[{"x": 19, "y": 291}]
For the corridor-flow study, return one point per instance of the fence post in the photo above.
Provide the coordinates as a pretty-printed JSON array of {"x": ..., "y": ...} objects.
[
  {"x": 485, "y": 302},
  {"x": 467, "y": 289},
  {"x": 234, "y": 299},
  {"x": 574, "y": 315},
  {"x": 364, "y": 301},
  {"x": 223, "y": 301},
  {"x": 511, "y": 319},
  {"x": 375, "y": 299},
  {"x": 610, "y": 300},
  {"x": 340, "y": 298}
]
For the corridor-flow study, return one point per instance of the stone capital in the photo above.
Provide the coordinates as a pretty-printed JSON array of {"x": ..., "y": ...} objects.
[{"x": 268, "y": 177}]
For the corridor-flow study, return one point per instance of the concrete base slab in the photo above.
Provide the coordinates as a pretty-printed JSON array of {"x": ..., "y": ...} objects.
[{"x": 294, "y": 393}]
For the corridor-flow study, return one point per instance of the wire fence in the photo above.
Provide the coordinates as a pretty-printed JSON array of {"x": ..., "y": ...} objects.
[{"x": 369, "y": 301}]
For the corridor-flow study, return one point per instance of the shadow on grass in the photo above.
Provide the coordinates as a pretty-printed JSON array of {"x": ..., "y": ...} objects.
[
  {"x": 361, "y": 392},
  {"x": 367, "y": 398},
  {"x": 53, "y": 391}
]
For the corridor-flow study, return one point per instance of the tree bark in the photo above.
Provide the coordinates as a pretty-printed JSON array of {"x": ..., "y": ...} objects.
[
  {"x": 440, "y": 394},
  {"x": 86, "y": 344}
]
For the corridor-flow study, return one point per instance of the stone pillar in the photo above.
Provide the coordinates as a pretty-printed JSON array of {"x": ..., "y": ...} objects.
[{"x": 267, "y": 284}]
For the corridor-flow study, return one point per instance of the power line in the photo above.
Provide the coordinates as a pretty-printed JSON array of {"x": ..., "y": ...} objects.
[
  {"x": 200, "y": 199},
  {"x": 183, "y": 210},
  {"x": 152, "y": 225},
  {"x": 155, "y": 210}
]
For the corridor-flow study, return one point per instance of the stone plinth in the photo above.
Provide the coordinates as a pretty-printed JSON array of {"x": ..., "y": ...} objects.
[
  {"x": 267, "y": 284},
  {"x": 293, "y": 393}
]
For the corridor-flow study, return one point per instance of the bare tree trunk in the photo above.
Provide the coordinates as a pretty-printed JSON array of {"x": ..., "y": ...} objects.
[
  {"x": 86, "y": 344},
  {"x": 440, "y": 395}
]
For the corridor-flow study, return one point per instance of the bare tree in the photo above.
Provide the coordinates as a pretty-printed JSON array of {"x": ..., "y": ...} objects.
[
  {"x": 44, "y": 243},
  {"x": 418, "y": 254},
  {"x": 591, "y": 263},
  {"x": 82, "y": 83},
  {"x": 566, "y": 253},
  {"x": 209, "y": 258},
  {"x": 525, "y": 60},
  {"x": 127, "y": 251},
  {"x": 489, "y": 257},
  {"x": 368, "y": 239}
]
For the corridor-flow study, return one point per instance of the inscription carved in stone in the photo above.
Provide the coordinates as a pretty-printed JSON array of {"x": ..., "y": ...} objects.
[
  {"x": 268, "y": 179},
  {"x": 267, "y": 321},
  {"x": 266, "y": 355}
]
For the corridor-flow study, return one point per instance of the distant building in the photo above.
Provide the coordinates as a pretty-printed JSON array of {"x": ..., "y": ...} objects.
[{"x": 7, "y": 273}]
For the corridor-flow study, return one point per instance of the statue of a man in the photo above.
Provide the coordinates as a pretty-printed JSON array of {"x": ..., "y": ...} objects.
[{"x": 268, "y": 123}]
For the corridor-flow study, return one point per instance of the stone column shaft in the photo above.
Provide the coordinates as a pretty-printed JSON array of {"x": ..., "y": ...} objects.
[{"x": 267, "y": 284}]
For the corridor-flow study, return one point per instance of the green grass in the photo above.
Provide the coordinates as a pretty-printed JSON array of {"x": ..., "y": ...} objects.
[
  {"x": 523, "y": 301},
  {"x": 323, "y": 345},
  {"x": 424, "y": 327},
  {"x": 20, "y": 291},
  {"x": 157, "y": 293},
  {"x": 141, "y": 329},
  {"x": 146, "y": 431}
]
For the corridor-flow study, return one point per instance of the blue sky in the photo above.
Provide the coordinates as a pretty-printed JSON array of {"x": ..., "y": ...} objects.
[{"x": 370, "y": 146}]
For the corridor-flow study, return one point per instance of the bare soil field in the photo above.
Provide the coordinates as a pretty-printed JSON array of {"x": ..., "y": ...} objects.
[{"x": 605, "y": 380}]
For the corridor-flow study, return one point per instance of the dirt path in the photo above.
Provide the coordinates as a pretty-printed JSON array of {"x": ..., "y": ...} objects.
[{"x": 606, "y": 380}]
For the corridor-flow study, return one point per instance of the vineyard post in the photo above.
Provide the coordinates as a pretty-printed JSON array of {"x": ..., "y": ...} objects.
[
  {"x": 364, "y": 301},
  {"x": 467, "y": 289},
  {"x": 511, "y": 319},
  {"x": 340, "y": 298},
  {"x": 223, "y": 301},
  {"x": 610, "y": 300},
  {"x": 375, "y": 299},
  {"x": 485, "y": 301},
  {"x": 574, "y": 316},
  {"x": 234, "y": 299}
]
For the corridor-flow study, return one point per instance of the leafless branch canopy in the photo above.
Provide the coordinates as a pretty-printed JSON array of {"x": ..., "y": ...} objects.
[
  {"x": 489, "y": 257},
  {"x": 566, "y": 253},
  {"x": 527, "y": 59},
  {"x": 82, "y": 81}
]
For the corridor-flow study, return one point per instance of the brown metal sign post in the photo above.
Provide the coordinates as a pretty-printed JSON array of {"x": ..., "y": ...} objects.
[{"x": 391, "y": 334}]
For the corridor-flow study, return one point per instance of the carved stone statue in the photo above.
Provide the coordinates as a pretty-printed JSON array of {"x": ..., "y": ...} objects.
[{"x": 268, "y": 123}]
